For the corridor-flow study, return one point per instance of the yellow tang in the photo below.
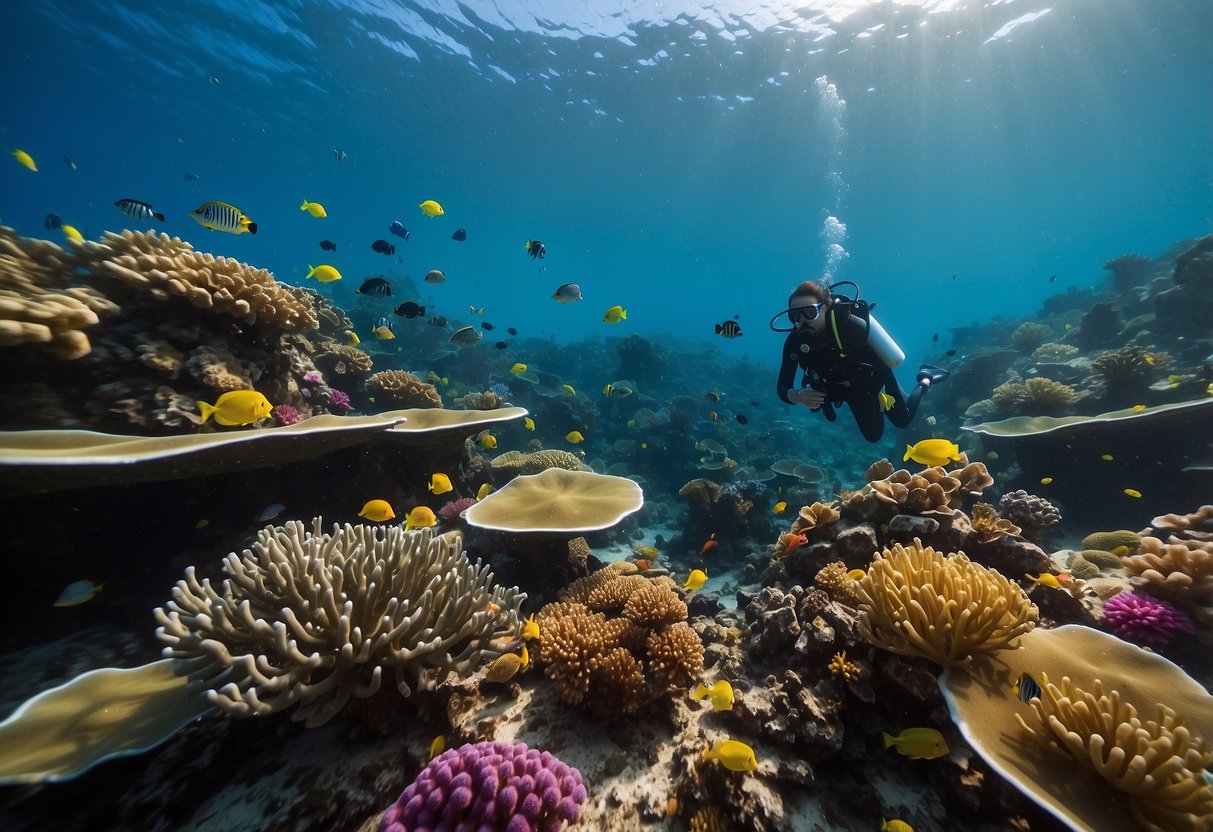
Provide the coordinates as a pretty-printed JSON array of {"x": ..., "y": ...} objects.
[
  {"x": 615, "y": 314},
  {"x": 779, "y": 507},
  {"x": 530, "y": 628},
  {"x": 325, "y": 274},
  {"x": 431, "y": 208},
  {"x": 518, "y": 369},
  {"x": 71, "y": 233},
  {"x": 24, "y": 159},
  {"x": 439, "y": 483},
  {"x": 314, "y": 208},
  {"x": 918, "y": 743},
  {"x": 574, "y": 436},
  {"x": 219, "y": 216},
  {"x": 932, "y": 452},
  {"x": 1046, "y": 480},
  {"x": 887, "y": 401},
  {"x": 237, "y": 407},
  {"x": 377, "y": 511},
  {"x": 721, "y": 694},
  {"x": 568, "y": 390},
  {"x": 895, "y": 826},
  {"x": 1133, "y": 492},
  {"x": 1045, "y": 579},
  {"x": 528, "y": 423},
  {"x": 696, "y": 579},
  {"x": 733, "y": 755},
  {"x": 437, "y": 746},
  {"x": 483, "y": 491},
  {"x": 420, "y": 518}
]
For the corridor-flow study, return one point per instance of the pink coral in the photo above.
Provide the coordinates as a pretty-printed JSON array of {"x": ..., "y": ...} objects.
[
  {"x": 1142, "y": 618},
  {"x": 284, "y": 414},
  {"x": 339, "y": 402},
  {"x": 451, "y": 511},
  {"x": 312, "y": 377}
]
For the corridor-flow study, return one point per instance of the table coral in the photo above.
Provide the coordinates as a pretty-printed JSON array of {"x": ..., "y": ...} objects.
[
  {"x": 312, "y": 619},
  {"x": 489, "y": 785}
]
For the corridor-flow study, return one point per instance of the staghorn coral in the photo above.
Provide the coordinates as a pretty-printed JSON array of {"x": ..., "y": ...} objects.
[
  {"x": 1031, "y": 513},
  {"x": 917, "y": 602},
  {"x": 988, "y": 526},
  {"x": 1142, "y": 618},
  {"x": 514, "y": 463},
  {"x": 312, "y": 619},
  {"x": 38, "y": 303},
  {"x": 833, "y": 578},
  {"x": 163, "y": 267},
  {"x": 1029, "y": 335},
  {"x": 1159, "y": 763},
  {"x": 1180, "y": 570},
  {"x": 404, "y": 387},
  {"x": 1034, "y": 397},
  {"x": 489, "y": 785},
  {"x": 1051, "y": 353},
  {"x": 815, "y": 518}
]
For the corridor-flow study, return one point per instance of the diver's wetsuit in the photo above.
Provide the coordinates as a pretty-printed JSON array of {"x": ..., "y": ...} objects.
[{"x": 856, "y": 378}]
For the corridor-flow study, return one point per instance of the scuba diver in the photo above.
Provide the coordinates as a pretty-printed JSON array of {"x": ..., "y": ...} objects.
[{"x": 847, "y": 357}]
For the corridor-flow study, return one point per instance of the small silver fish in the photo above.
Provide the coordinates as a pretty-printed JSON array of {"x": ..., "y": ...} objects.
[
  {"x": 77, "y": 593},
  {"x": 466, "y": 336},
  {"x": 568, "y": 293},
  {"x": 269, "y": 512},
  {"x": 434, "y": 276}
]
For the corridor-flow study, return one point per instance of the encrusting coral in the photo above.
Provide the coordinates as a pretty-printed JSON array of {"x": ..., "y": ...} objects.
[
  {"x": 1161, "y": 764},
  {"x": 918, "y": 602},
  {"x": 404, "y": 387},
  {"x": 312, "y": 619}
]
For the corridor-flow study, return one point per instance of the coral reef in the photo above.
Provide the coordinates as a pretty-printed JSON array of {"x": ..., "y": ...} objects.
[
  {"x": 1142, "y": 618},
  {"x": 1031, "y": 513},
  {"x": 918, "y": 602},
  {"x": 312, "y": 619},
  {"x": 1036, "y": 396},
  {"x": 988, "y": 526},
  {"x": 1029, "y": 335},
  {"x": 1195, "y": 526},
  {"x": 1051, "y": 353},
  {"x": 513, "y": 463},
  {"x": 814, "y": 521},
  {"x": 1128, "y": 271},
  {"x": 1179, "y": 570},
  {"x": 405, "y": 388},
  {"x": 340, "y": 360},
  {"x": 1120, "y": 542},
  {"x": 1100, "y": 326},
  {"x": 489, "y": 785}
]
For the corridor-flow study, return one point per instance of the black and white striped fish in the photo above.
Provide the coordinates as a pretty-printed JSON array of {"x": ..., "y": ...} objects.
[
  {"x": 138, "y": 210},
  {"x": 219, "y": 216},
  {"x": 1027, "y": 689},
  {"x": 729, "y": 329}
]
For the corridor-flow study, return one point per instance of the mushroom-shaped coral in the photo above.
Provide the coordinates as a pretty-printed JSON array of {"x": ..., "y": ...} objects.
[
  {"x": 815, "y": 519},
  {"x": 1031, "y": 513},
  {"x": 404, "y": 387},
  {"x": 1195, "y": 526},
  {"x": 312, "y": 619},
  {"x": 918, "y": 602},
  {"x": 557, "y": 500},
  {"x": 1142, "y": 618},
  {"x": 489, "y": 785}
]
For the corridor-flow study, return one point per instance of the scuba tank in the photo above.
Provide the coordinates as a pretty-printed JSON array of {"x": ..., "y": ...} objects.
[
  {"x": 883, "y": 344},
  {"x": 879, "y": 339}
]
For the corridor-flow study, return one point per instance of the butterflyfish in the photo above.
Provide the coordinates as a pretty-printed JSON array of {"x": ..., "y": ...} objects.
[
  {"x": 377, "y": 511},
  {"x": 1026, "y": 688},
  {"x": 219, "y": 216},
  {"x": 237, "y": 407},
  {"x": 138, "y": 210}
]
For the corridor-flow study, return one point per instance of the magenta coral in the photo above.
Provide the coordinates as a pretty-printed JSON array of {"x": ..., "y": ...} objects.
[
  {"x": 489, "y": 785},
  {"x": 451, "y": 511},
  {"x": 339, "y": 401},
  {"x": 312, "y": 377},
  {"x": 1142, "y": 618},
  {"x": 284, "y": 414}
]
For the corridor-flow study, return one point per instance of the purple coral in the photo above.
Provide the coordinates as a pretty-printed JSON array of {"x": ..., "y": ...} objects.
[
  {"x": 312, "y": 377},
  {"x": 489, "y": 785},
  {"x": 1142, "y": 618},
  {"x": 284, "y": 414},
  {"x": 339, "y": 401},
  {"x": 451, "y": 511}
]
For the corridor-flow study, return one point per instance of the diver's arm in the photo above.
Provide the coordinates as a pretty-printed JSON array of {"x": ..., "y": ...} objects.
[{"x": 787, "y": 370}]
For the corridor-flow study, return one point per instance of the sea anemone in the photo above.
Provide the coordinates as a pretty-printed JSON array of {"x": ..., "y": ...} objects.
[
  {"x": 1142, "y": 618},
  {"x": 284, "y": 414},
  {"x": 339, "y": 401}
]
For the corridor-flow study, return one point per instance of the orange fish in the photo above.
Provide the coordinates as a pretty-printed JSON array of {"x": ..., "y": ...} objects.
[
  {"x": 793, "y": 542},
  {"x": 642, "y": 565},
  {"x": 708, "y": 546}
]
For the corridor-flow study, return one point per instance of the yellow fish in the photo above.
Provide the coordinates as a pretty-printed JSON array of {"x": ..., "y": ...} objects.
[
  {"x": 1045, "y": 579},
  {"x": 351, "y": 338},
  {"x": 615, "y": 314},
  {"x": 1106, "y": 457},
  {"x": 78, "y": 592},
  {"x": 483, "y": 491},
  {"x": 886, "y": 401},
  {"x": 574, "y": 436},
  {"x": 421, "y": 517},
  {"x": 431, "y": 208},
  {"x": 518, "y": 369},
  {"x": 932, "y": 452},
  {"x": 219, "y": 216},
  {"x": 1046, "y": 480},
  {"x": 530, "y": 629},
  {"x": 1148, "y": 358},
  {"x": 733, "y": 755},
  {"x": 377, "y": 511},
  {"x": 780, "y": 507},
  {"x": 1133, "y": 492},
  {"x": 237, "y": 407},
  {"x": 71, "y": 233},
  {"x": 314, "y": 208},
  {"x": 528, "y": 423},
  {"x": 487, "y": 441},
  {"x": 721, "y": 694},
  {"x": 525, "y": 657},
  {"x": 439, "y": 484},
  {"x": 568, "y": 390},
  {"x": 1138, "y": 408},
  {"x": 383, "y": 333},
  {"x": 608, "y": 389},
  {"x": 24, "y": 159},
  {"x": 918, "y": 743},
  {"x": 857, "y": 574},
  {"x": 437, "y": 746},
  {"x": 325, "y": 274},
  {"x": 895, "y": 826},
  {"x": 696, "y": 579}
]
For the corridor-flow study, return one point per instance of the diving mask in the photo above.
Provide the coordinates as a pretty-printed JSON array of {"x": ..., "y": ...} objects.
[{"x": 797, "y": 315}]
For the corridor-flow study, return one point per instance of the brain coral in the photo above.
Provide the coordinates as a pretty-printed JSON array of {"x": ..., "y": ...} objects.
[
  {"x": 489, "y": 785},
  {"x": 310, "y": 619}
]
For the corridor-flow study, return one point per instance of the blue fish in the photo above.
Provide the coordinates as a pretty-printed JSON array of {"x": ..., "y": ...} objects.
[
  {"x": 78, "y": 592},
  {"x": 1027, "y": 689},
  {"x": 399, "y": 230}
]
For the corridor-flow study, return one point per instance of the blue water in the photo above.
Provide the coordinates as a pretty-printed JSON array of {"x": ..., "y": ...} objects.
[{"x": 673, "y": 161}]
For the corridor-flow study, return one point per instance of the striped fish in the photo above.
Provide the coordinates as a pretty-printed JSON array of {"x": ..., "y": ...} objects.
[
  {"x": 1027, "y": 689},
  {"x": 729, "y": 329},
  {"x": 138, "y": 210},
  {"x": 219, "y": 216}
]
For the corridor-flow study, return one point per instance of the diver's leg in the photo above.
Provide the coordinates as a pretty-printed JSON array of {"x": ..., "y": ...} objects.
[
  {"x": 904, "y": 407},
  {"x": 868, "y": 415}
]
